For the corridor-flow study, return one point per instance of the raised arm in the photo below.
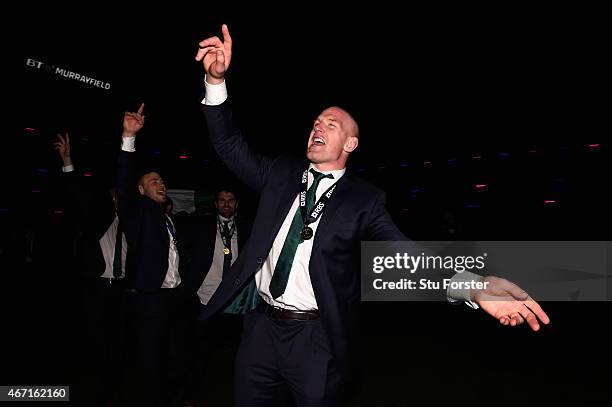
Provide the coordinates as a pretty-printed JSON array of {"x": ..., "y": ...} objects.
[
  {"x": 251, "y": 167},
  {"x": 127, "y": 166},
  {"x": 82, "y": 194}
]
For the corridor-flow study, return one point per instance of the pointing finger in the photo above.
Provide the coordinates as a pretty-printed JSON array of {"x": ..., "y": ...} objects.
[{"x": 227, "y": 39}]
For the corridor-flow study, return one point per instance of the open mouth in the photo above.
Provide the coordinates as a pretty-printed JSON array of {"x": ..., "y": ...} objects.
[{"x": 318, "y": 141}]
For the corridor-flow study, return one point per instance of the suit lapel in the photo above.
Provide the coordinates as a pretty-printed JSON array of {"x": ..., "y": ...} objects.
[
  {"x": 211, "y": 241},
  {"x": 335, "y": 203},
  {"x": 287, "y": 196}
]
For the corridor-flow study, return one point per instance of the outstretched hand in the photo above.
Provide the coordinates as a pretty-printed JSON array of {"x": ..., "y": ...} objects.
[
  {"x": 63, "y": 148},
  {"x": 216, "y": 55},
  {"x": 133, "y": 122},
  {"x": 509, "y": 303}
]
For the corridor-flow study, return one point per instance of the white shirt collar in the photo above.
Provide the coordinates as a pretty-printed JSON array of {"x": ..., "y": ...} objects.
[
  {"x": 336, "y": 173},
  {"x": 223, "y": 218}
]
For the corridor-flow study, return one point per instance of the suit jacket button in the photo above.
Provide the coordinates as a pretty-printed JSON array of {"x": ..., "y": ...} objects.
[
  {"x": 237, "y": 282},
  {"x": 259, "y": 260}
]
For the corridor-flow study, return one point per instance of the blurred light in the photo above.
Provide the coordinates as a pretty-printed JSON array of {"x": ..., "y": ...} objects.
[
  {"x": 42, "y": 170},
  {"x": 480, "y": 186},
  {"x": 29, "y": 129},
  {"x": 427, "y": 164},
  {"x": 182, "y": 157},
  {"x": 156, "y": 152},
  {"x": 503, "y": 155},
  {"x": 550, "y": 201},
  {"x": 532, "y": 151},
  {"x": 382, "y": 167},
  {"x": 451, "y": 161},
  {"x": 476, "y": 157},
  {"x": 58, "y": 211},
  {"x": 415, "y": 190},
  {"x": 204, "y": 162},
  {"x": 34, "y": 190},
  {"x": 597, "y": 145},
  {"x": 88, "y": 174},
  {"x": 404, "y": 164},
  {"x": 4, "y": 210}
]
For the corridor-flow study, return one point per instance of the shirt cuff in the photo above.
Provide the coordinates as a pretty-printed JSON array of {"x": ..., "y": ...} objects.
[
  {"x": 215, "y": 94},
  {"x": 462, "y": 294},
  {"x": 127, "y": 144},
  {"x": 68, "y": 168}
]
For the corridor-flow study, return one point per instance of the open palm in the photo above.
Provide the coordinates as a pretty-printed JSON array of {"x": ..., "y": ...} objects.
[{"x": 509, "y": 303}]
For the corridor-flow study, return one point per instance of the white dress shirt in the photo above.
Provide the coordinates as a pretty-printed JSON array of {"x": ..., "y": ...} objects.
[
  {"x": 298, "y": 294},
  {"x": 107, "y": 244},
  {"x": 215, "y": 273}
]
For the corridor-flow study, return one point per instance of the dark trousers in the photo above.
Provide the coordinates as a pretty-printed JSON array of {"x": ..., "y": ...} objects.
[
  {"x": 219, "y": 334},
  {"x": 155, "y": 375},
  {"x": 105, "y": 325},
  {"x": 274, "y": 354}
]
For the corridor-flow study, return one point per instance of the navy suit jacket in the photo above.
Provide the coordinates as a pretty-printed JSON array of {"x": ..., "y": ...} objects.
[
  {"x": 144, "y": 224},
  {"x": 356, "y": 212},
  {"x": 95, "y": 212}
]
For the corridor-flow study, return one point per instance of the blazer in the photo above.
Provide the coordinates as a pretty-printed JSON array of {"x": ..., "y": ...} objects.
[
  {"x": 95, "y": 213},
  {"x": 144, "y": 225},
  {"x": 356, "y": 212}
]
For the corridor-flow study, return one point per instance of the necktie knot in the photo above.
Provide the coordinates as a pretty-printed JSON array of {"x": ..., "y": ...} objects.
[
  {"x": 318, "y": 176},
  {"x": 311, "y": 193},
  {"x": 226, "y": 228}
]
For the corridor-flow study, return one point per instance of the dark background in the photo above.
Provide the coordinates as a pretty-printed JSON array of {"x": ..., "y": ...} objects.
[{"x": 525, "y": 90}]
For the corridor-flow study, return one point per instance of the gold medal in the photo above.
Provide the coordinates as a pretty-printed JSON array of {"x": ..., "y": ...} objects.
[
  {"x": 226, "y": 250},
  {"x": 306, "y": 233}
]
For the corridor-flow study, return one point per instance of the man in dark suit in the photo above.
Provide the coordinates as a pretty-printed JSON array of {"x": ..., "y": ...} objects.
[
  {"x": 101, "y": 259},
  {"x": 303, "y": 253},
  {"x": 153, "y": 279},
  {"x": 221, "y": 239}
]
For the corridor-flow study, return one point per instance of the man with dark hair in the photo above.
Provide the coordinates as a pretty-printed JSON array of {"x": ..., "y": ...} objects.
[
  {"x": 221, "y": 238},
  {"x": 153, "y": 279}
]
